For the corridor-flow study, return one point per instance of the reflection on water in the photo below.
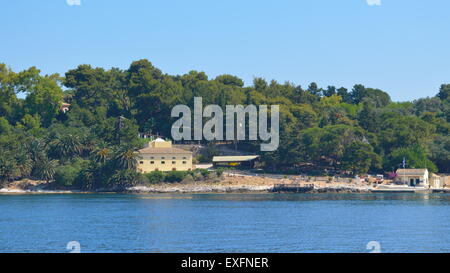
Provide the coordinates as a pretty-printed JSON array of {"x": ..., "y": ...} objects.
[
  {"x": 225, "y": 222},
  {"x": 164, "y": 197},
  {"x": 318, "y": 197}
]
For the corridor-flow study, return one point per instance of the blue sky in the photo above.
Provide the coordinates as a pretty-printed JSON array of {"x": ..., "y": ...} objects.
[{"x": 399, "y": 46}]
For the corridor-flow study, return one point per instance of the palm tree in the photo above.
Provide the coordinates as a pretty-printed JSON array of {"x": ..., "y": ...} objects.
[
  {"x": 123, "y": 179},
  {"x": 126, "y": 159},
  {"x": 101, "y": 154},
  {"x": 88, "y": 178},
  {"x": 46, "y": 169},
  {"x": 88, "y": 144},
  {"x": 36, "y": 150},
  {"x": 8, "y": 169},
  {"x": 24, "y": 163},
  {"x": 67, "y": 146}
]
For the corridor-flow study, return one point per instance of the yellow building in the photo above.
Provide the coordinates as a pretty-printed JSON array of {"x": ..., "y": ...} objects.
[{"x": 159, "y": 155}]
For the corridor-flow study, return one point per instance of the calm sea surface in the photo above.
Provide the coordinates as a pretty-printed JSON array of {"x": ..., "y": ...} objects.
[{"x": 225, "y": 222}]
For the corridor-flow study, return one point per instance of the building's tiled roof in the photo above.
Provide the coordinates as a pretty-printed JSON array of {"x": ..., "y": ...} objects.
[
  {"x": 411, "y": 171},
  {"x": 239, "y": 158},
  {"x": 151, "y": 150}
]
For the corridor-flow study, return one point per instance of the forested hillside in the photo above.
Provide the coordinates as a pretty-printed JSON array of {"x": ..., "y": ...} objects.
[{"x": 353, "y": 130}]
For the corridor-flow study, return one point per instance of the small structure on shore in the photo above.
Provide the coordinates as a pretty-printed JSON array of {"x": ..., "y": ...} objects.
[
  {"x": 413, "y": 177},
  {"x": 246, "y": 161},
  {"x": 65, "y": 107},
  {"x": 159, "y": 155},
  {"x": 435, "y": 182},
  {"x": 205, "y": 166},
  {"x": 414, "y": 180}
]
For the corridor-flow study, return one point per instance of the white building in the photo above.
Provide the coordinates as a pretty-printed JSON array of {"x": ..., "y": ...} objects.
[
  {"x": 436, "y": 182},
  {"x": 413, "y": 177}
]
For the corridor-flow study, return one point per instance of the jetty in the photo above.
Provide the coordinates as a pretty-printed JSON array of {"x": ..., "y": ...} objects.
[
  {"x": 441, "y": 190},
  {"x": 400, "y": 189}
]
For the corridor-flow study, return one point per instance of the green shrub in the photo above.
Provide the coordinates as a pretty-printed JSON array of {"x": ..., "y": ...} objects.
[
  {"x": 204, "y": 172},
  {"x": 202, "y": 159},
  {"x": 188, "y": 178},
  {"x": 175, "y": 176},
  {"x": 155, "y": 177},
  {"x": 124, "y": 178},
  {"x": 219, "y": 171},
  {"x": 198, "y": 176},
  {"x": 142, "y": 179},
  {"x": 66, "y": 175}
]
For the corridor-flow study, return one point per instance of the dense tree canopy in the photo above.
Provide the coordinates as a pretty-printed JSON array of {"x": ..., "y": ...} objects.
[{"x": 328, "y": 129}]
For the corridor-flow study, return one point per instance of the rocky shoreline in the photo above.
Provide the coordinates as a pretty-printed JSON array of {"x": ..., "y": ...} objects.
[
  {"x": 183, "y": 190},
  {"x": 229, "y": 184}
]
